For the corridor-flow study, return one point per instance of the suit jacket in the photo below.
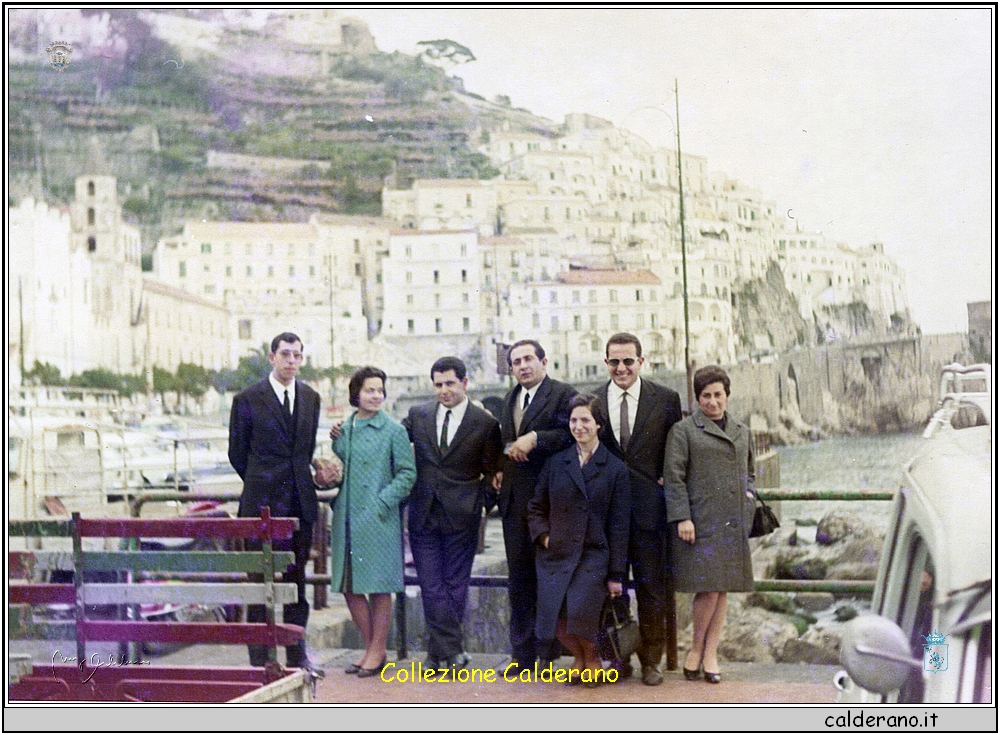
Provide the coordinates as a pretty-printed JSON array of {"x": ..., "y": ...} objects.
[
  {"x": 458, "y": 477},
  {"x": 274, "y": 462},
  {"x": 548, "y": 416},
  {"x": 658, "y": 410}
]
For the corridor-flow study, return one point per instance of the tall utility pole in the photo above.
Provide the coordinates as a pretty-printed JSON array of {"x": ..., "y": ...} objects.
[
  {"x": 20, "y": 335},
  {"x": 684, "y": 262}
]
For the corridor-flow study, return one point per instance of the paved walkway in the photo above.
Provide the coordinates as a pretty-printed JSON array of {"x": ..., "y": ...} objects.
[
  {"x": 331, "y": 628},
  {"x": 742, "y": 683}
]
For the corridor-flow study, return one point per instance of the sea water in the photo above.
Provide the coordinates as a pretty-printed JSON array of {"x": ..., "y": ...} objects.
[{"x": 861, "y": 461}]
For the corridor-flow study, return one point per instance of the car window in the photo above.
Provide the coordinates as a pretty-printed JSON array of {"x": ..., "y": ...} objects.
[
  {"x": 916, "y": 613},
  {"x": 976, "y": 683}
]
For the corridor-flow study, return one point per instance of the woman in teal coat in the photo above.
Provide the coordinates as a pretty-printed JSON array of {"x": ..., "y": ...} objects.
[{"x": 366, "y": 554}]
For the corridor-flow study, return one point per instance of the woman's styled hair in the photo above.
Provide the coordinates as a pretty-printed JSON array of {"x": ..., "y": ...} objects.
[
  {"x": 358, "y": 380},
  {"x": 708, "y": 375},
  {"x": 592, "y": 403}
]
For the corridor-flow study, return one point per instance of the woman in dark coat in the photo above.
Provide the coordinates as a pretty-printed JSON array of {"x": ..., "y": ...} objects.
[
  {"x": 579, "y": 521},
  {"x": 708, "y": 475}
]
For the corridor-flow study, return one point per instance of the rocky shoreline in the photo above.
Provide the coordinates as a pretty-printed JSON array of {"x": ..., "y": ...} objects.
[{"x": 804, "y": 627}]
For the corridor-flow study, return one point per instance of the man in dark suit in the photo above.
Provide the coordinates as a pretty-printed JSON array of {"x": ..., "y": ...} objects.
[
  {"x": 457, "y": 448},
  {"x": 534, "y": 425},
  {"x": 272, "y": 436},
  {"x": 640, "y": 414}
]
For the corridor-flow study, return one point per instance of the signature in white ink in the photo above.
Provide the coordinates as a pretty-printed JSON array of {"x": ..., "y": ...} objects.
[{"x": 95, "y": 662}]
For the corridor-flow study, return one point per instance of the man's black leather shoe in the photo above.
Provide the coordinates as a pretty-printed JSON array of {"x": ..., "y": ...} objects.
[
  {"x": 306, "y": 665},
  {"x": 459, "y": 661},
  {"x": 652, "y": 676},
  {"x": 516, "y": 667}
]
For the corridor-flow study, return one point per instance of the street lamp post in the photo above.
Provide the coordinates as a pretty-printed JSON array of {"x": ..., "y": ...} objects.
[
  {"x": 684, "y": 270},
  {"x": 688, "y": 365}
]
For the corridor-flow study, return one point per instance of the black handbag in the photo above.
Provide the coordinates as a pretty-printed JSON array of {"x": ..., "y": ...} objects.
[
  {"x": 618, "y": 637},
  {"x": 764, "y": 520}
]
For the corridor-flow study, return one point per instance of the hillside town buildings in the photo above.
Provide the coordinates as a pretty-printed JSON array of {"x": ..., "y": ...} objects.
[
  {"x": 579, "y": 238},
  {"x": 77, "y": 298}
]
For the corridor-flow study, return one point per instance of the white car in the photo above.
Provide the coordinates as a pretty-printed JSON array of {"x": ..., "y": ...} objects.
[{"x": 930, "y": 638}]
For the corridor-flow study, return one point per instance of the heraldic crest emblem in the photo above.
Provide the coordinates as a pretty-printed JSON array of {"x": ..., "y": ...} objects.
[
  {"x": 935, "y": 652},
  {"x": 59, "y": 52}
]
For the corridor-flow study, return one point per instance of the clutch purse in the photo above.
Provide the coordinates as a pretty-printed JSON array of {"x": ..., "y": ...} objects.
[{"x": 764, "y": 520}]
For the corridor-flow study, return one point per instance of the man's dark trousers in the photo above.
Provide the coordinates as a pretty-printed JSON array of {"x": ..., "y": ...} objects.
[
  {"x": 444, "y": 566},
  {"x": 548, "y": 417},
  {"x": 272, "y": 455},
  {"x": 296, "y": 613}
]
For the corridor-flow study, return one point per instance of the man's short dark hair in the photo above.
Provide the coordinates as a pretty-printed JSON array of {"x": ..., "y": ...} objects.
[
  {"x": 708, "y": 375},
  {"x": 539, "y": 351},
  {"x": 624, "y": 338},
  {"x": 592, "y": 402},
  {"x": 288, "y": 337},
  {"x": 358, "y": 381},
  {"x": 444, "y": 364}
]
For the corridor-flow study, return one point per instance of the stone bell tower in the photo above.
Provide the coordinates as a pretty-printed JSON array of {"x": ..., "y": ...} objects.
[{"x": 113, "y": 287}]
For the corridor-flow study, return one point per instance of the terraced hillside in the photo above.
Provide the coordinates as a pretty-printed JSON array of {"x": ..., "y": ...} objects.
[{"x": 156, "y": 120}]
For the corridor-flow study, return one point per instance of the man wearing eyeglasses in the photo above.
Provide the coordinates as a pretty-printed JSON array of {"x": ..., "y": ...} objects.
[
  {"x": 272, "y": 437},
  {"x": 640, "y": 413}
]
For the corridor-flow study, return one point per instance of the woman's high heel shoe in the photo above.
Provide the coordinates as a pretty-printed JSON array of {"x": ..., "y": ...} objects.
[
  {"x": 712, "y": 677},
  {"x": 364, "y": 673},
  {"x": 692, "y": 674},
  {"x": 353, "y": 669}
]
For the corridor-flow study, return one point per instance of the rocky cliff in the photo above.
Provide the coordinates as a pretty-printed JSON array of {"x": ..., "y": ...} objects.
[
  {"x": 365, "y": 116},
  {"x": 766, "y": 316}
]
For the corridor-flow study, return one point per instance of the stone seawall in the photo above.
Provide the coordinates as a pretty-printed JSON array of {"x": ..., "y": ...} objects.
[{"x": 890, "y": 385}]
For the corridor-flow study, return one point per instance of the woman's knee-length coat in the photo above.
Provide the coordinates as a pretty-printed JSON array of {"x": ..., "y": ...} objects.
[
  {"x": 585, "y": 510},
  {"x": 707, "y": 473},
  {"x": 379, "y": 472}
]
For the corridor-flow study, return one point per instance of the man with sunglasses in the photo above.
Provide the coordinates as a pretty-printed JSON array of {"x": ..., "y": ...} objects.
[{"x": 640, "y": 414}]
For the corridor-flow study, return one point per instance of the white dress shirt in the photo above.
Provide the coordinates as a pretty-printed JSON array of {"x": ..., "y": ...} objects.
[
  {"x": 457, "y": 414},
  {"x": 615, "y": 406},
  {"x": 531, "y": 393},
  {"x": 279, "y": 390}
]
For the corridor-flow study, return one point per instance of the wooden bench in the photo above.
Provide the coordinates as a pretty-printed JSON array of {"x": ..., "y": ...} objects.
[{"x": 128, "y": 678}]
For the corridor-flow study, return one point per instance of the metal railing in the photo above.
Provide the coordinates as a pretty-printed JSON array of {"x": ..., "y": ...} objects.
[{"x": 320, "y": 578}]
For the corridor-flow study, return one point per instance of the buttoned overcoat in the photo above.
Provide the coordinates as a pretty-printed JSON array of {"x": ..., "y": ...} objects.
[
  {"x": 707, "y": 474},
  {"x": 379, "y": 472},
  {"x": 585, "y": 512}
]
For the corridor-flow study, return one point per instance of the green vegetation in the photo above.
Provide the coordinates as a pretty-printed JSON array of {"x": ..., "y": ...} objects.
[
  {"x": 801, "y": 621},
  {"x": 124, "y": 383},
  {"x": 778, "y": 602},
  {"x": 403, "y": 77},
  {"x": 400, "y": 117},
  {"x": 43, "y": 373}
]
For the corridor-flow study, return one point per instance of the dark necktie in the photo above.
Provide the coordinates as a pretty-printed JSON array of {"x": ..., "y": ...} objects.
[
  {"x": 286, "y": 409},
  {"x": 444, "y": 430},
  {"x": 625, "y": 433},
  {"x": 527, "y": 400}
]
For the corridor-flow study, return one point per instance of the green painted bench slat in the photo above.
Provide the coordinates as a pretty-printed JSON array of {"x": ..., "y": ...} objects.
[
  {"x": 181, "y": 561},
  {"x": 186, "y": 593}
]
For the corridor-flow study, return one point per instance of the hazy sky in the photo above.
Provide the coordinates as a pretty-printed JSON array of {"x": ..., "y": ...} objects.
[{"x": 870, "y": 124}]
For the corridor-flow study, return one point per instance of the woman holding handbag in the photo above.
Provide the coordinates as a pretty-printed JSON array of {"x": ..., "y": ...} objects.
[
  {"x": 579, "y": 521},
  {"x": 708, "y": 475},
  {"x": 366, "y": 551}
]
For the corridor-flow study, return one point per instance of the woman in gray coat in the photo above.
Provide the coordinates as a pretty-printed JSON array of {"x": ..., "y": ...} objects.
[{"x": 708, "y": 476}]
